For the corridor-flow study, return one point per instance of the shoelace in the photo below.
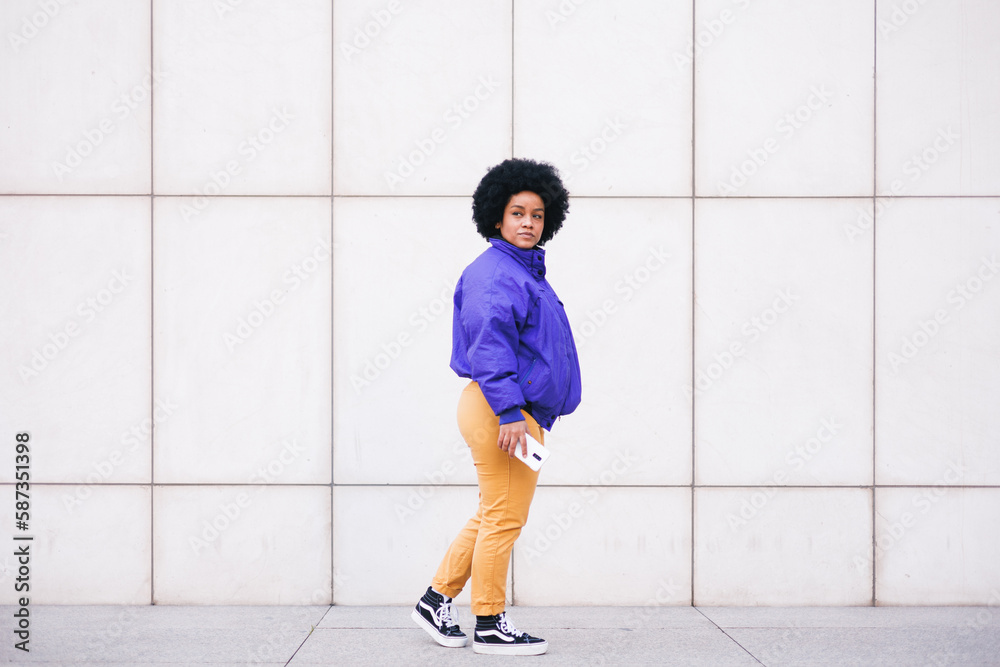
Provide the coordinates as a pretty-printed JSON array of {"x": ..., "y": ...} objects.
[
  {"x": 446, "y": 615},
  {"x": 508, "y": 626}
]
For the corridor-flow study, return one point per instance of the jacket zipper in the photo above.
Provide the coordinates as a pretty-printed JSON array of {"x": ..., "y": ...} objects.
[{"x": 527, "y": 373}]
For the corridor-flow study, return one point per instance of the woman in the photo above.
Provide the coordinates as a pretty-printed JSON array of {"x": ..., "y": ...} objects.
[{"x": 511, "y": 337}]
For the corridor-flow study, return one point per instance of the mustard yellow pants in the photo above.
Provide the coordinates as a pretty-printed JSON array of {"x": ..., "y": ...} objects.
[{"x": 506, "y": 486}]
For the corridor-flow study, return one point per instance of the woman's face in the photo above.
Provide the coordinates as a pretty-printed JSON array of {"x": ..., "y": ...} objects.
[{"x": 523, "y": 220}]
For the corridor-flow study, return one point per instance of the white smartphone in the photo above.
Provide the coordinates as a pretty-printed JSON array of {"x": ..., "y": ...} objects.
[{"x": 537, "y": 453}]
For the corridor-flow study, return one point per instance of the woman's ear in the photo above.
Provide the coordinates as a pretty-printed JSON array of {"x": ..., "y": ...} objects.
[{"x": 497, "y": 225}]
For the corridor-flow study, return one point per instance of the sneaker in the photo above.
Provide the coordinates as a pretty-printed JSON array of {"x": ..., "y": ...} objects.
[
  {"x": 497, "y": 635},
  {"x": 435, "y": 614}
]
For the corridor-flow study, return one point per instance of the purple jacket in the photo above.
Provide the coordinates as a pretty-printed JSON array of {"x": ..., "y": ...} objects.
[{"x": 511, "y": 335}]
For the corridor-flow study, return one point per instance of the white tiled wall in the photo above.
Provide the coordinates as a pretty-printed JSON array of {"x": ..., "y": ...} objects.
[
  {"x": 78, "y": 86},
  {"x": 244, "y": 365},
  {"x": 783, "y": 98},
  {"x": 230, "y": 232},
  {"x": 75, "y": 307},
  {"x": 640, "y": 555},
  {"x": 782, "y": 546},
  {"x": 937, "y": 354},
  {"x": 783, "y": 325},
  {"x": 388, "y": 539},
  {"x": 248, "y": 89},
  {"x": 91, "y": 545},
  {"x": 423, "y": 95},
  {"x": 936, "y": 545},
  {"x": 937, "y": 132},
  {"x": 616, "y": 131},
  {"x": 246, "y": 544}
]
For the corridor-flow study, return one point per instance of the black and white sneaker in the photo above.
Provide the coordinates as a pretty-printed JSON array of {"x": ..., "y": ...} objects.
[
  {"x": 435, "y": 614},
  {"x": 497, "y": 635}
]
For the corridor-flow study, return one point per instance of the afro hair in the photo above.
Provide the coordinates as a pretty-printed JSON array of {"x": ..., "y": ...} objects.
[{"x": 518, "y": 175}]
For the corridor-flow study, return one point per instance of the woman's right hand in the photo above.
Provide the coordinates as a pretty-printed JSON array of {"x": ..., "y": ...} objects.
[{"x": 512, "y": 435}]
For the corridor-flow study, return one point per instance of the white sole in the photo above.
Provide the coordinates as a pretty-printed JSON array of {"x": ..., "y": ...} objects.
[
  {"x": 448, "y": 642},
  {"x": 500, "y": 649}
]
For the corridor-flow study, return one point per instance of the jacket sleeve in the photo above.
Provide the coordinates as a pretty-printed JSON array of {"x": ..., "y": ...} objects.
[{"x": 490, "y": 318}]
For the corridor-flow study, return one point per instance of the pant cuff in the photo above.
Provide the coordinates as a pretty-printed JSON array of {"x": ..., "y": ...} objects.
[
  {"x": 488, "y": 610},
  {"x": 446, "y": 591}
]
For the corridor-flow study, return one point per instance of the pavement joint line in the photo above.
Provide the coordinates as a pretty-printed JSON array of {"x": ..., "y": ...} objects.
[
  {"x": 731, "y": 638},
  {"x": 301, "y": 644}
]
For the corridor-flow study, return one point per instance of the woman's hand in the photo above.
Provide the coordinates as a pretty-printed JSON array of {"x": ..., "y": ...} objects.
[{"x": 512, "y": 435}]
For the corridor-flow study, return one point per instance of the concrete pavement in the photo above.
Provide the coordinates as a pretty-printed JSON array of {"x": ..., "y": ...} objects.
[{"x": 711, "y": 636}]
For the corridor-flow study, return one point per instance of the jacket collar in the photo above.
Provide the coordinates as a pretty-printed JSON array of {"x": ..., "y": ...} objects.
[{"x": 533, "y": 259}]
